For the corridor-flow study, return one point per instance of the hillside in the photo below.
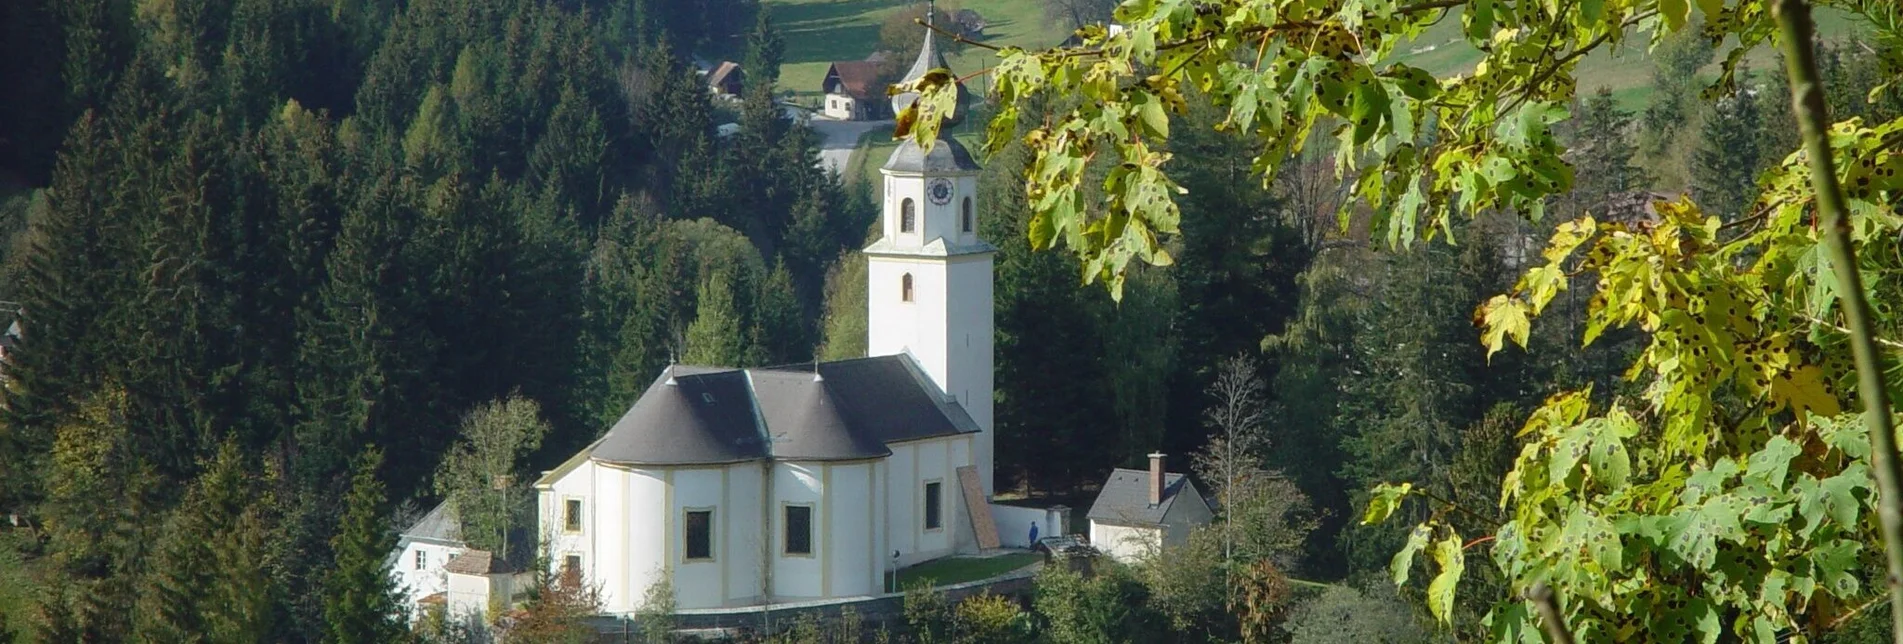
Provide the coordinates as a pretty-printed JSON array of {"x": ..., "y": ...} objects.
[{"x": 818, "y": 32}]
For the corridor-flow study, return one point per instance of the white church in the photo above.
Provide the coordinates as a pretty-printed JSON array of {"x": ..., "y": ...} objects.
[{"x": 750, "y": 486}]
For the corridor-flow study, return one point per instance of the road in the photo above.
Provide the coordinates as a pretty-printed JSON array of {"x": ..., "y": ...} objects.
[{"x": 837, "y": 140}]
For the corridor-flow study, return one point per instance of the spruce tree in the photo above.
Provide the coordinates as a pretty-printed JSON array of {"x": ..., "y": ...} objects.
[
  {"x": 717, "y": 337},
  {"x": 360, "y": 604},
  {"x": 1603, "y": 154},
  {"x": 765, "y": 51},
  {"x": 779, "y": 332},
  {"x": 1724, "y": 167}
]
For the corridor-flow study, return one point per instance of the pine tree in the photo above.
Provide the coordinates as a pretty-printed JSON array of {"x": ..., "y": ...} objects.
[
  {"x": 779, "y": 333},
  {"x": 1724, "y": 167},
  {"x": 210, "y": 579},
  {"x": 717, "y": 337},
  {"x": 764, "y": 51},
  {"x": 360, "y": 604},
  {"x": 1603, "y": 154}
]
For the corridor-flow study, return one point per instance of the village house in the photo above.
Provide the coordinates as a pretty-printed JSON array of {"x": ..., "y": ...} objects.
[
  {"x": 1138, "y": 513},
  {"x": 421, "y": 552},
  {"x": 853, "y": 92}
]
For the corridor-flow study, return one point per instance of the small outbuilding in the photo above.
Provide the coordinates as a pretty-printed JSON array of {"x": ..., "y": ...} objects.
[
  {"x": 477, "y": 580},
  {"x": 1138, "y": 513},
  {"x": 726, "y": 79}
]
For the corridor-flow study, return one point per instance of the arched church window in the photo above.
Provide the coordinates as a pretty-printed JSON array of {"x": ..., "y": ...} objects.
[
  {"x": 905, "y": 288},
  {"x": 908, "y": 216},
  {"x": 964, "y": 220}
]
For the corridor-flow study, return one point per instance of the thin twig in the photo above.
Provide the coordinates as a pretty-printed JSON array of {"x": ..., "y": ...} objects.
[
  {"x": 1883, "y": 341},
  {"x": 956, "y": 36},
  {"x": 1853, "y": 613},
  {"x": 1813, "y": 121},
  {"x": 1433, "y": 5},
  {"x": 1458, "y": 507},
  {"x": 1591, "y": 45}
]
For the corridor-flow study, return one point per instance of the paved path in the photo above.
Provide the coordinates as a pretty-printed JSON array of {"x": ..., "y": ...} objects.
[{"x": 837, "y": 140}]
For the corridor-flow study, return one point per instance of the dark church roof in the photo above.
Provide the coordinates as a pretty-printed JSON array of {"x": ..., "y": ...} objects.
[
  {"x": 844, "y": 410},
  {"x": 687, "y": 418},
  {"x": 947, "y": 155},
  {"x": 929, "y": 57}
]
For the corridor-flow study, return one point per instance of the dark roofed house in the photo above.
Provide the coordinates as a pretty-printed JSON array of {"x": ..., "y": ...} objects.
[
  {"x": 970, "y": 24},
  {"x": 854, "y": 92},
  {"x": 725, "y": 79},
  {"x": 1137, "y": 513}
]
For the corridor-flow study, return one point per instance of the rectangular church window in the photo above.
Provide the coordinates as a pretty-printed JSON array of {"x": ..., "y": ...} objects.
[
  {"x": 799, "y": 529},
  {"x": 934, "y": 513},
  {"x": 571, "y": 515},
  {"x": 700, "y": 534}
]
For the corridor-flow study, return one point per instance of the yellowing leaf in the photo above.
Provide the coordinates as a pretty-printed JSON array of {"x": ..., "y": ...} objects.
[
  {"x": 1500, "y": 318},
  {"x": 1403, "y": 561},
  {"x": 1440, "y": 591},
  {"x": 1386, "y": 499},
  {"x": 1804, "y": 391}
]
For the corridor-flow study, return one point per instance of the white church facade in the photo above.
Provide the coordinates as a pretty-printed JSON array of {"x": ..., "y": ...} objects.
[{"x": 748, "y": 486}]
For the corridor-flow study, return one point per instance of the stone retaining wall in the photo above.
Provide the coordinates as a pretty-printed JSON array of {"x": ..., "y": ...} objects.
[{"x": 887, "y": 610}]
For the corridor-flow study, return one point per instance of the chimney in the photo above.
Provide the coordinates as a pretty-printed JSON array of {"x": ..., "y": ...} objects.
[{"x": 1156, "y": 478}]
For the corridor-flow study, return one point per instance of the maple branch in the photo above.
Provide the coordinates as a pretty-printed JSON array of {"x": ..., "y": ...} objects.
[
  {"x": 1548, "y": 72},
  {"x": 1550, "y": 619},
  {"x": 1457, "y": 507},
  {"x": 1883, "y": 341},
  {"x": 956, "y": 37},
  {"x": 1813, "y": 121},
  {"x": 1431, "y": 5}
]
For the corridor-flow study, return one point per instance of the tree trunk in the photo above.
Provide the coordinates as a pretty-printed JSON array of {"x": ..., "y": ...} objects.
[{"x": 1813, "y": 120}]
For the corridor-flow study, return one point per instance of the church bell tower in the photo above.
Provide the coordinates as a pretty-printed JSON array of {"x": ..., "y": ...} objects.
[{"x": 929, "y": 275}]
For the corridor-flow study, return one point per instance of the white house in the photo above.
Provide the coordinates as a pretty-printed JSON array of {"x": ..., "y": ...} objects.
[
  {"x": 421, "y": 553},
  {"x": 1138, "y": 512},
  {"x": 747, "y": 486}
]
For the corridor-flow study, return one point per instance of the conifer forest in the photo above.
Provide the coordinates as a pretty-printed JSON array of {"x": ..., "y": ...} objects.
[{"x": 1527, "y": 346}]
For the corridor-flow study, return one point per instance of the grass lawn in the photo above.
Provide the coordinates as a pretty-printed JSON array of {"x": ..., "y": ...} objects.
[
  {"x": 1627, "y": 70},
  {"x": 818, "y": 32},
  {"x": 958, "y": 570}
]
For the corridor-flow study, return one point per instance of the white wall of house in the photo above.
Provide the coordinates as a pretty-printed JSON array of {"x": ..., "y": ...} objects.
[
  {"x": 840, "y": 106},
  {"x": 797, "y": 576},
  {"x": 470, "y": 594},
  {"x": 1014, "y": 523},
  {"x": 912, "y": 465},
  {"x": 418, "y": 570},
  {"x": 851, "y": 551},
  {"x": 1125, "y": 543}
]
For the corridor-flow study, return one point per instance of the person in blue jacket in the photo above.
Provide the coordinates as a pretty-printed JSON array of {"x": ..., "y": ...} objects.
[{"x": 1033, "y": 534}]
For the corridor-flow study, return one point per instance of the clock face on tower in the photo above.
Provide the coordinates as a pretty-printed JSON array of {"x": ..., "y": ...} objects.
[{"x": 940, "y": 190}]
